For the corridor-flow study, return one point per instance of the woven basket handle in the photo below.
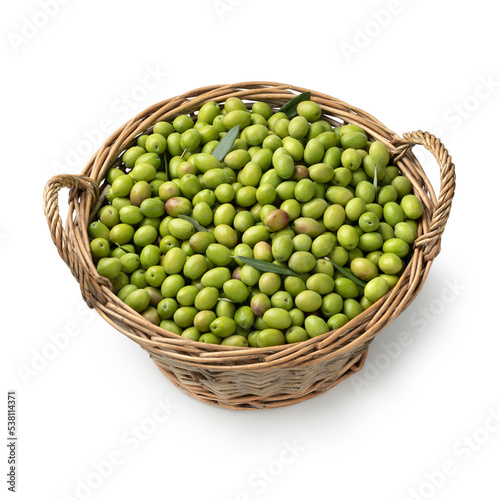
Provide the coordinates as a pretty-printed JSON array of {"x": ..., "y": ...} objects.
[
  {"x": 430, "y": 241},
  {"x": 66, "y": 242}
]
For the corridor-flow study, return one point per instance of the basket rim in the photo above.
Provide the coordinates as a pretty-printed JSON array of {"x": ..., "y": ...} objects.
[{"x": 109, "y": 153}]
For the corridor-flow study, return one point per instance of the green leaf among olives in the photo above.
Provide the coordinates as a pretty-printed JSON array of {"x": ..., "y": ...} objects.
[
  {"x": 266, "y": 267},
  {"x": 225, "y": 145}
]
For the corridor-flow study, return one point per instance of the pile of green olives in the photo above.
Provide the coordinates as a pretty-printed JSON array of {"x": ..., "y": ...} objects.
[{"x": 298, "y": 229}]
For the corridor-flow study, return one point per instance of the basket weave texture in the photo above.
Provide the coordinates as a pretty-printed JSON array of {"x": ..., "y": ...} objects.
[{"x": 250, "y": 378}]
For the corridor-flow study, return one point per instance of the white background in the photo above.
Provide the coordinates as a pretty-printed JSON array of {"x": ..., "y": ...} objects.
[{"x": 71, "y": 77}]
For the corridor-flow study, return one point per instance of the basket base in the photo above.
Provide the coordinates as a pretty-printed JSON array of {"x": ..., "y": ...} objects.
[{"x": 253, "y": 402}]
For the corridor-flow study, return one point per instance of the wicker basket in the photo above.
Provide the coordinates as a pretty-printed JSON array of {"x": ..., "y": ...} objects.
[{"x": 250, "y": 378}]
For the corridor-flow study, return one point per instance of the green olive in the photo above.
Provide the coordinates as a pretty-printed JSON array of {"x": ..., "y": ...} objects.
[
  {"x": 332, "y": 304},
  {"x": 203, "y": 318},
  {"x": 122, "y": 185},
  {"x": 184, "y": 316},
  {"x": 352, "y": 308},
  {"x": 339, "y": 195},
  {"x": 195, "y": 267},
  {"x": 223, "y": 326},
  {"x": 323, "y": 244},
  {"x": 282, "y": 248},
  {"x": 109, "y": 267},
  {"x": 396, "y": 246},
  {"x": 314, "y": 152},
  {"x": 210, "y": 338},
  {"x": 373, "y": 163},
  {"x": 393, "y": 213},
  {"x": 237, "y": 117},
  {"x": 376, "y": 288},
  {"x": 236, "y": 290},
  {"x": 163, "y": 128},
  {"x": 308, "y": 301},
  {"x": 121, "y": 234},
  {"x": 363, "y": 268},
  {"x": 346, "y": 288},
  {"x": 302, "y": 242},
  {"x": 325, "y": 266},
  {"x": 255, "y": 234},
  {"x": 172, "y": 285},
  {"x": 216, "y": 277},
  {"x": 298, "y": 127},
  {"x": 314, "y": 326},
  {"x": 208, "y": 112},
  {"x": 167, "y": 307},
  {"x": 301, "y": 262},
  {"x": 329, "y": 139},
  {"x": 320, "y": 283},
  {"x": 405, "y": 231},
  {"x": 182, "y": 123},
  {"x": 368, "y": 222},
  {"x": 337, "y": 321},
  {"x": 186, "y": 295},
  {"x": 138, "y": 300},
  {"x": 333, "y": 156},
  {"x": 155, "y": 275},
  {"x": 386, "y": 194},
  {"x": 347, "y": 237},
  {"x": 296, "y": 334},
  {"x": 269, "y": 283},
  {"x": 145, "y": 235},
  {"x": 310, "y": 110},
  {"x": 276, "y": 317},
  {"x": 402, "y": 185},
  {"x": 99, "y": 247},
  {"x": 390, "y": 263},
  {"x": 411, "y": 206},
  {"x": 263, "y": 109},
  {"x": 368, "y": 242},
  {"x": 270, "y": 337},
  {"x": 307, "y": 225},
  {"x": 321, "y": 172},
  {"x": 235, "y": 341}
]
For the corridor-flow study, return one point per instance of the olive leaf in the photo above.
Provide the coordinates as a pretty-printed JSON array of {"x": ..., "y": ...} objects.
[
  {"x": 347, "y": 273},
  {"x": 225, "y": 145},
  {"x": 193, "y": 221},
  {"x": 290, "y": 108},
  {"x": 375, "y": 181},
  {"x": 265, "y": 267}
]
